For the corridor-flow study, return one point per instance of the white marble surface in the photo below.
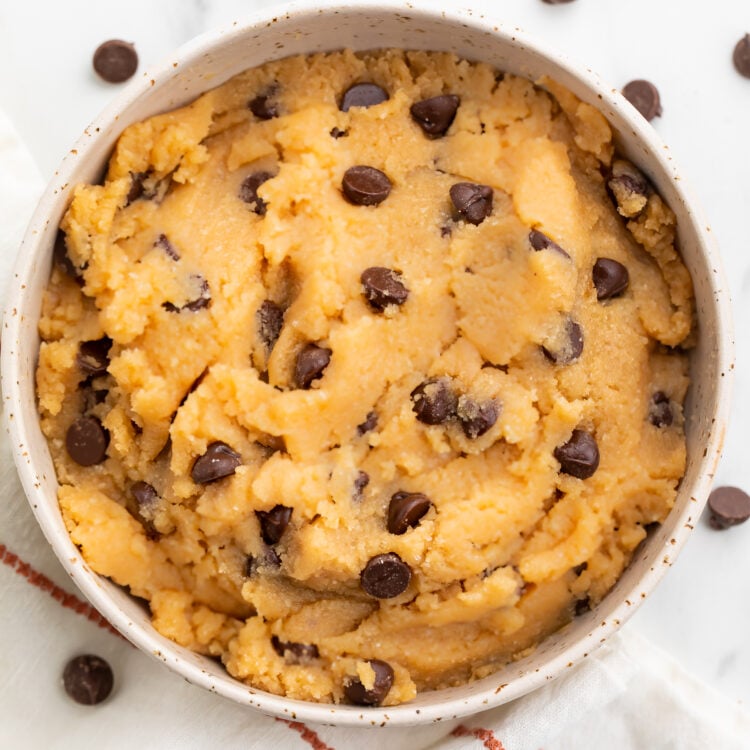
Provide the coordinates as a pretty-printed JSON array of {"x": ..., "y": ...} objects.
[{"x": 701, "y": 612}]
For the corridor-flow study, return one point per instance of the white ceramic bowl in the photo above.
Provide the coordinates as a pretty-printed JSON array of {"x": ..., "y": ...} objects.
[{"x": 310, "y": 27}]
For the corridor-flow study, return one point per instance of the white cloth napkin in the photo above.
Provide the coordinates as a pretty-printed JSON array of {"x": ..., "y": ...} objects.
[{"x": 629, "y": 695}]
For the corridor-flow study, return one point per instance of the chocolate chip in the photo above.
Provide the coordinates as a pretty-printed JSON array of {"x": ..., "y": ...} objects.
[
  {"x": 741, "y": 56},
  {"x": 142, "y": 503},
  {"x": 629, "y": 187},
  {"x": 363, "y": 95},
  {"x": 217, "y": 462},
  {"x": 435, "y": 115},
  {"x": 473, "y": 203},
  {"x": 539, "y": 241},
  {"x": 311, "y": 363},
  {"x": 476, "y": 418},
  {"x": 568, "y": 349},
  {"x": 579, "y": 457},
  {"x": 93, "y": 356},
  {"x": 86, "y": 441},
  {"x": 434, "y": 401},
  {"x": 362, "y": 480},
  {"x": 91, "y": 396},
  {"x": 273, "y": 522},
  {"x": 263, "y": 106},
  {"x": 644, "y": 96},
  {"x": 338, "y": 133},
  {"x": 272, "y": 443},
  {"x": 370, "y": 423},
  {"x": 385, "y": 576},
  {"x": 249, "y": 191},
  {"x": 137, "y": 188},
  {"x": 582, "y": 606},
  {"x": 405, "y": 511},
  {"x": 729, "y": 506},
  {"x": 610, "y": 278},
  {"x": 295, "y": 653},
  {"x": 356, "y": 693},
  {"x": 270, "y": 318},
  {"x": 193, "y": 386},
  {"x": 578, "y": 569},
  {"x": 383, "y": 287},
  {"x": 204, "y": 294},
  {"x": 115, "y": 60},
  {"x": 162, "y": 241},
  {"x": 62, "y": 259},
  {"x": 88, "y": 679},
  {"x": 365, "y": 186},
  {"x": 268, "y": 559},
  {"x": 660, "y": 410}
]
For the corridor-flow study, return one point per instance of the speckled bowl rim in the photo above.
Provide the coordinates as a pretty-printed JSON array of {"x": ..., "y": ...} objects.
[{"x": 432, "y": 706}]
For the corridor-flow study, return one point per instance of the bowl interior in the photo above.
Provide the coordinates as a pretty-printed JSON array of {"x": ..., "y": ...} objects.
[{"x": 303, "y": 28}]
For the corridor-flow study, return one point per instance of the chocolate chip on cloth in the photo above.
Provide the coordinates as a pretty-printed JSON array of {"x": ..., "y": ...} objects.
[
  {"x": 385, "y": 576},
  {"x": 383, "y": 287},
  {"x": 435, "y": 115},
  {"x": 249, "y": 191},
  {"x": 728, "y": 506},
  {"x": 93, "y": 356},
  {"x": 434, "y": 401},
  {"x": 363, "y": 95},
  {"x": 86, "y": 441},
  {"x": 610, "y": 278},
  {"x": 741, "y": 56},
  {"x": 365, "y": 186},
  {"x": 629, "y": 187},
  {"x": 115, "y": 60},
  {"x": 406, "y": 510},
  {"x": 88, "y": 679},
  {"x": 644, "y": 96},
  {"x": 579, "y": 457},
  {"x": 473, "y": 203},
  {"x": 311, "y": 364},
  {"x": 380, "y": 685},
  {"x": 217, "y": 462},
  {"x": 273, "y": 523}
]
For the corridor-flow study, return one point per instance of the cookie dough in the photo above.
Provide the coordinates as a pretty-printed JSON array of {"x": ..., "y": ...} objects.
[{"x": 366, "y": 371}]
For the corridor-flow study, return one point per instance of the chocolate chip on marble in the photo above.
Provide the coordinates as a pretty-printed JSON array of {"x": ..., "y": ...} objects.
[
  {"x": 610, "y": 278},
  {"x": 473, "y": 202},
  {"x": 142, "y": 503},
  {"x": 370, "y": 423},
  {"x": 363, "y": 95},
  {"x": 570, "y": 346},
  {"x": 434, "y": 401},
  {"x": 86, "y": 441},
  {"x": 383, "y": 287},
  {"x": 741, "y": 56},
  {"x": 406, "y": 510},
  {"x": 162, "y": 242},
  {"x": 93, "y": 356},
  {"x": 217, "y": 462},
  {"x": 579, "y": 457},
  {"x": 115, "y": 60},
  {"x": 644, "y": 96},
  {"x": 729, "y": 506},
  {"x": 476, "y": 418},
  {"x": 264, "y": 106},
  {"x": 362, "y": 480},
  {"x": 311, "y": 364},
  {"x": 539, "y": 241},
  {"x": 294, "y": 653},
  {"x": 273, "y": 522},
  {"x": 436, "y": 114},
  {"x": 385, "y": 576},
  {"x": 365, "y": 186},
  {"x": 629, "y": 187},
  {"x": 660, "y": 410},
  {"x": 270, "y": 318},
  {"x": 88, "y": 679},
  {"x": 338, "y": 133},
  {"x": 356, "y": 693},
  {"x": 249, "y": 191}
]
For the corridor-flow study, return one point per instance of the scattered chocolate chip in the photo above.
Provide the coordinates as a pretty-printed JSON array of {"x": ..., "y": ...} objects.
[
  {"x": 539, "y": 241},
  {"x": 476, "y": 418},
  {"x": 88, "y": 679},
  {"x": 629, "y": 188},
  {"x": 363, "y": 95},
  {"x": 93, "y": 356},
  {"x": 473, "y": 203},
  {"x": 295, "y": 653},
  {"x": 582, "y": 606},
  {"x": 249, "y": 191},
  {"x": 270, "y": 318},
  {"x": 162, "y": 241},
  {"x": 370, "y": 423},
  {"x": 644, "y": 96},
  {"x": 569, "y": 348},
  {"x": 263, "y": 106},
  {"x": 311, "y": 363},
  {"x": 435, "y": 115},
  {"x": 405, "y": 511},
  {"x": 115, "y": 60},
  {"x": 142, "y": 502},
  {"x": 579, "y": 457},
  {"x": 434, "y": 401},
  {"x": 217, "y": 462},
  {"x": 365, "y": 186},
  {"x": 273, "y": 522},
  {"x": 356, "y": 693},
  {"x": 660, "y": 410},
  {"x": 729, "y": 506},
  {"x": 61, "y": 257},
  {"x": 86, "y": 441},
  {"x": 383, "y": 287},
  {"x": 362, "y": 480},
  {"x": 385, "y": 576},
  {"x": 741, "y": 56},
  {"x": 610, "y": 278}
]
